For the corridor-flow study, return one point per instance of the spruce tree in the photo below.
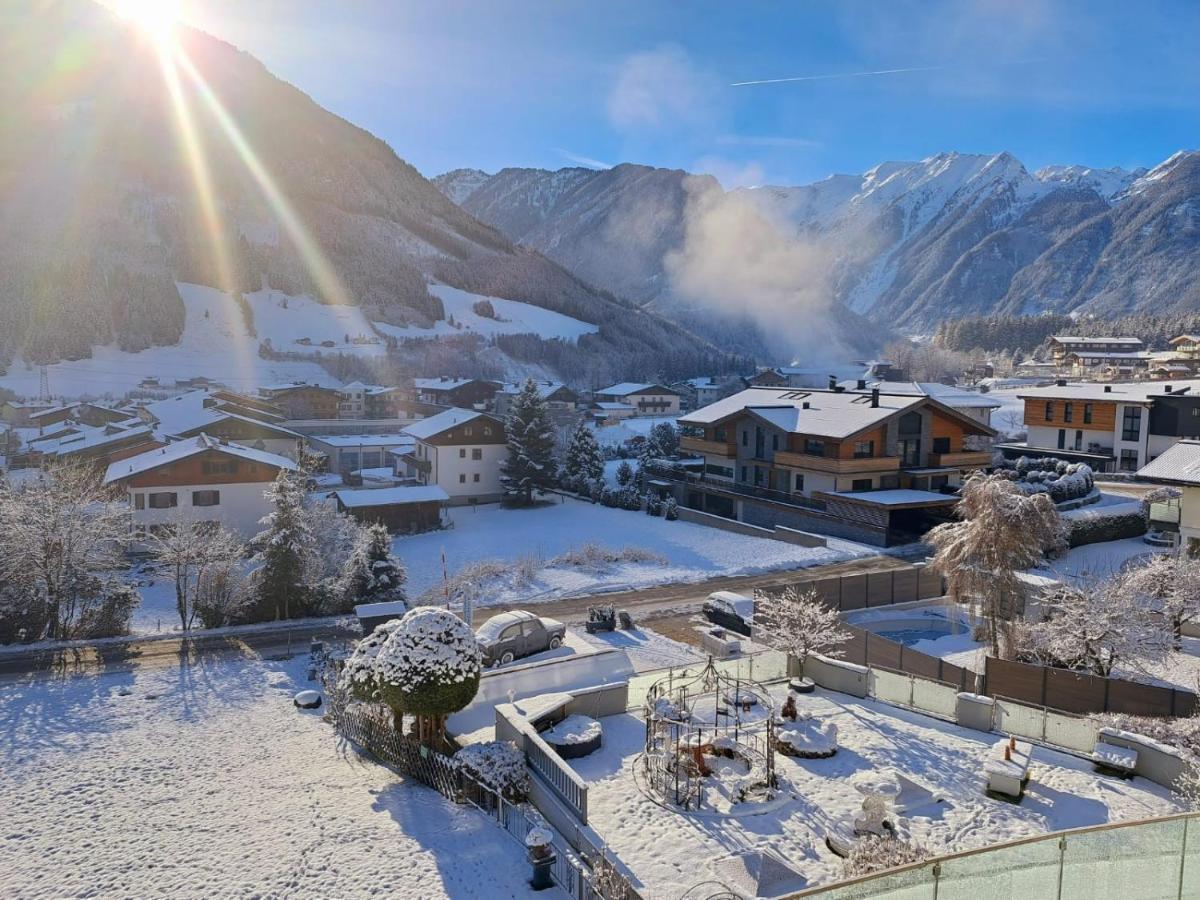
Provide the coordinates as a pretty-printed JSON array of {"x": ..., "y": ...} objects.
[
  {"x": 373, "y": 573},
  {"x": 583, "y": 463},
  {"x": 287, "y": 550},
  {"x": 530, "y": 463}
]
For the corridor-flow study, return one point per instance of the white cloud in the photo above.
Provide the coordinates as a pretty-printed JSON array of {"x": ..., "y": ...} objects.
[
  {"x": 766, "y": 140},
  {"x": 663, "y": 89}
]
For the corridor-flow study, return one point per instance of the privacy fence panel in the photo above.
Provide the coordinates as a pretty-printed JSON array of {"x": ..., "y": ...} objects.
[{"x": 1079, "y": 692}]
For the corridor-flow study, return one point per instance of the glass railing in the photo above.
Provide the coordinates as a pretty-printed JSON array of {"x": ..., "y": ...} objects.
[
  {"x": 1152, "y": 858},
  {"x": 1167, "y": 511}
]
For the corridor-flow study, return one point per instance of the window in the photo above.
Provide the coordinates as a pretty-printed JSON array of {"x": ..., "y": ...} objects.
[
  {"x": 719, "y": 434},
  {"x": 1078, "y": 440},
  {"x": 799, "y": 481},
  {"x": 814, "y": 447},
  {"x": 864, "y": 449},
  {"x": 511, "y": 633},
  {"x": 139, "y": 501},
  {"x": 719, "y": 471},
  {"x": 206, "y": 498},
  {"x": 1087, "y": 414},
  {"x": 1049, "y": 411},
  {"x": 467, "y": 430},
  {"x": 910, "y": 423},
  {"x": 475, "y": 477},
  {"x": 941, "y": 445},
  {"x": 163, "y": 499},
  {"x": 462, "y": 479},
  {"x": 1068, "y": 411},
  {"x": 476, "y": 453},
  {"x": 774, "y": 442},
  {"x": 1131, "y": 423},
  {"x": 219, "y": 467},
  {"x": 745, "y": 437},
  {"x": 487, "y": 430},
  {"x": 860, "y": 484},
  {"x": 1062, "y": 439},
  {"x": 910, "y": 452},
  {"x": 462, "y": 453},
  {"x": 743, "y": 473},
  {"x": 1129, "y": 461}
]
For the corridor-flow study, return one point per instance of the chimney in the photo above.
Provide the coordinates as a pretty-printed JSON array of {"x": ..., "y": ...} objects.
[
  {"x": 1167, "y": 388},
  {"x": 862, "y": 384},
  {"x": 1062, "y": 382},
  {"x": 874, "y": 398},
  {"x": 1108, "y": 389},
  {"x": 804, "y": 405},
  {"x": 832, "y": 382}
]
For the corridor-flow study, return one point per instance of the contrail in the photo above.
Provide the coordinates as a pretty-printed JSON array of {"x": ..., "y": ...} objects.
[{"x": 839, "y": 75}]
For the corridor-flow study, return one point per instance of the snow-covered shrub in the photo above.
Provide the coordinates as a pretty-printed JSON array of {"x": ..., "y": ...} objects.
[
  {"x": 429, "y": 667},
  {"x": 629, "y": 498},
  {"x": 624, "y": 473},
  {"x": 653, "y": 505},
  {"x": 596, "y": 490},
  {"x": 597, "y": 558},
  {"x": 373, "y": 573},
  {"x": 358, "y": 672},
  {"x": 1098, "y": 529},
  {"x": 671, "y": 509},
  {"x": 873, "y": 853},
  {"x": 497, "y": 765},
  {"x": 609, "y": 497}
]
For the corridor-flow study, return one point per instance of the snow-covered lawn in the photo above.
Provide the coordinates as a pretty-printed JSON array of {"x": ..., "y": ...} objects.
[
  {"x": 669, "y": 852},
  {"x": 1093, "y": 561},
  {"x": 205, "y": 781},
  {"x": 692, "y": 552},
  {"x": 628, "y": 429}
]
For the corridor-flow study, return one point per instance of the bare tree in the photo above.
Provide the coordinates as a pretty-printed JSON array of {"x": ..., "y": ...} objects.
[
  {"x": 798, "y": 622},
  {"x": 1169, "y": 585},
  {"x": 194, "y": 554},
  {"x": 1001, "y": 531},
  {"x": 58, "y": 534}
]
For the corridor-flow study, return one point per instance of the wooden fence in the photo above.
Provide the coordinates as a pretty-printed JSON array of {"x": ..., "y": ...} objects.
[
  {"x": 1080, "y": 692},
  {"x": 867, "y": 590},
  {"x": 867, "y": 649}
]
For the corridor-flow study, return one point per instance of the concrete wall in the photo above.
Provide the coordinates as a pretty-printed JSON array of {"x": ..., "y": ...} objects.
[
  {"x": 975, "y": 711},
  {"x": 846, "y": 678},
  {"x": 456, "y": 474},
  {"x": 1157, "y": 762},
  {"x": 240, "y": 507},
  {"x": 778, "y": 533}
]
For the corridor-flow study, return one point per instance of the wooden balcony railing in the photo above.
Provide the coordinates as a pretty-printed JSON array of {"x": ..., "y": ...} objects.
[
  {"x": 700, "y": 445},
  {"x": 964, "y": 458},
  {"x": 838, "y": 466}
]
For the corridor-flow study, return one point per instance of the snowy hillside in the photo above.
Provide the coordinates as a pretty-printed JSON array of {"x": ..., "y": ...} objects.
[{"x": 513, "y": 317}]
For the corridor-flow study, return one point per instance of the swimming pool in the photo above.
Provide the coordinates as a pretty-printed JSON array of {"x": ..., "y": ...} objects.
[
  {"x": 910, "y": 636},
  {"x": 911, "y": 626}
]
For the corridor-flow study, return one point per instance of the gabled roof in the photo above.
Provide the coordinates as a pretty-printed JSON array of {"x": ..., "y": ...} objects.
[
  {"x": 1178, "y": 464},
  {"x": 162, "y": 456},
  {"x": 544, "y": 388},
  {"x": 443, "y": 421},
  {"x": 1185, "y": 338},
  {"x": 93, "y": 438},
  {"x": 441, "y": 384},
  {"x": 395, "y": 496},
  {"x": 947, "y": 393},
  {"x": 625, "y": 388}
]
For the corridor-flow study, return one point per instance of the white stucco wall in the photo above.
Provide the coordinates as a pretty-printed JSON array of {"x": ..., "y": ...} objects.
[{"x": 240, "y": 508}]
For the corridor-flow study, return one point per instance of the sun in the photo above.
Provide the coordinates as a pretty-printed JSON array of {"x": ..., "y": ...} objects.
[{"x": 156, "y": 17}]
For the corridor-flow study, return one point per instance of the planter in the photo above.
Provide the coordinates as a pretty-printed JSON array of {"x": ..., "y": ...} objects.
[
  {"x": 574, "y": 737},
  {"x": 802, "y": 685}
]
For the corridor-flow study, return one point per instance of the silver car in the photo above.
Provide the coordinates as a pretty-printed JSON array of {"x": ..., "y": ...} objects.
[{"x": 511, "y": 635}]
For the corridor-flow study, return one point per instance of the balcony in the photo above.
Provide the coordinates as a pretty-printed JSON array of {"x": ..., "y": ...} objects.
[
  {"x": 966, "y": 459},
  {"x": 421, "y": 465},
  {"x": 838, "y": 466},
  {"x": 700, "y": 445}
]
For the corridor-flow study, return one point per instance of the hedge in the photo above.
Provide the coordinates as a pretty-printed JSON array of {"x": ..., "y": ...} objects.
[{"x": 1095, "y": 529}]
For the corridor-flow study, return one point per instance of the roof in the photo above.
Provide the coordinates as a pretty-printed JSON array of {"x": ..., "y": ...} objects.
[
  {"x": 544, "y": 388},
  {"x": 1178, "y": 464},
  {"x": 1193, "y": 338},
  {"x": 1112, "y": 354},
  {"x": 395, "y": 496},
  {"x": 161, "y": 456},
  {"x": 443, "y": 421},
  {"x": 1120, "y": 392},
  {"x": 897, "y": 497},
  {"x": 625, "y": 388},
  {"x": 832, "y": 414},
  {"x": 400, "y": 439},
  {"x": 93, "y": 438},
  {"x": 1075, "y": 339},
  {"x": 946, "y": 393},
  {"x": 441, "y": 384},
  {"x": 608, "y": 405},
  {"x": 50, "y": 411}
]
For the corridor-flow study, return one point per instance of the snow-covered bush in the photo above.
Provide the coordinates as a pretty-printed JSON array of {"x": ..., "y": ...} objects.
[
  {"x": 1062, "y": 480},
  {"x": 1098, "y": 529},
  {"x": 873, "y": 853},
  {"x": 609, "y": 498},
  {"x": 624, "y": 473},
  {"x": 594, "y": 557},
  {"x": 653, "y": 505},
  {"x": 358, "y": 672},
  {"x": 671, "y": 509},
  {"x": 373, "y": 574},
  {"x": 497, "y": 765},
  {"x": 629, "y": 497}
]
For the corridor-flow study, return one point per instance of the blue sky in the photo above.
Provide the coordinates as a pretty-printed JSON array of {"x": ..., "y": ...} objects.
[{"x": 493, "y": 83}]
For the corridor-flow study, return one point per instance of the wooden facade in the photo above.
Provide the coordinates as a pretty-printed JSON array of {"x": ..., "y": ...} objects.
[
  {"x": 1102, "y": 413},
  {"x": 210, "y": 467}
]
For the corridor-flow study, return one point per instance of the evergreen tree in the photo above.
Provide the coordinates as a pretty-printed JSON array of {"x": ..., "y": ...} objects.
[
  {"x": 583, "y": 462},
  {"x": 624, "y": 473},
  {"x": 373, "y": 573},
  {"x": 287, "y": 550},
  {"x": 530, "y": 463}
]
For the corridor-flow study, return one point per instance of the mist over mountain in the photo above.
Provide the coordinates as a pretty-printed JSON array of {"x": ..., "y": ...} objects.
[
  {"x": 906, "y": 244},
  {"x": 103, "y": 208}
]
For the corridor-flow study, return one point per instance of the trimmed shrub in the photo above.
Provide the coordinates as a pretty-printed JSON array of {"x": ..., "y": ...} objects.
[{"x": 1097, "y": 529}]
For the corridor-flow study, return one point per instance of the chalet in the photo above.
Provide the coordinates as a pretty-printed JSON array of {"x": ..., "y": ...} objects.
[
  {"x": 459, "y": 450},
  {"x": 406, "y": 509},
  {"x": 1186, "y": 347},
  {"x": 1111, "y": 427},
  {"x": 195, "y": 481},
  {"x": 864, "y": 464},
  {"x": 605, "y": 413},
  {"x": 367, "y": 401},
  {"x": 224, "y": 415},
  {"x": 299, "y": 400},
  {"x": 646, "y": 399},
  {"x": 1178, "y": 466},
  {"x": 464, "y": 393},
  {"x": 1061, "y": 346},
  {"x": 697, "y": 392},
  {"x": 557, "y": 395}
]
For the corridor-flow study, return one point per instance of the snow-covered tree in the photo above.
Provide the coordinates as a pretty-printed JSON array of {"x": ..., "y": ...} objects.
[
  {"x": 799, "y": 623},
  {"x": 373, "y": 573},
  {"x": 359, "y": 674},
  {"x": 583, "y": 462},
  {"x": 665, "y": 437},
  {"x": 287, "y": 550},
  {"x": 1096, "y": 627},
  {"x": 624, "y": 473},
  {"x": 335, "y": 537},
  {"x": 530, "y": 463},
  {"x": 190, "y": 554},
  {"x": 1001, "y": 531},
  {"x": 648, "y": 452},
  {"x": 1170, "y": 586},
  {"x": 428, "y": 668},
  {"x": 58, "y": 533}
]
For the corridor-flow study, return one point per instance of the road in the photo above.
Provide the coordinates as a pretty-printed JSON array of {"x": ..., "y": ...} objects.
[{"x": 666, "y": 601}]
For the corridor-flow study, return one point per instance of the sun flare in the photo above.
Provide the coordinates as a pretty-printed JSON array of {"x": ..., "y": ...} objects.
[{"x": 156, "y": 17}]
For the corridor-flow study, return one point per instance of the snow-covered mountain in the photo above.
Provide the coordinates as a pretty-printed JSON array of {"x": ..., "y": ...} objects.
[
  {"x": 104, "y": 209},
  {"x": 907, "y": 243}
]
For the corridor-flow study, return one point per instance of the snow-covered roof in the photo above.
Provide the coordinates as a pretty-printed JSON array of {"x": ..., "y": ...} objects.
[
  {"x": 895, "y": 497},
  {"x": 1185, "y": 338},
  {"x": 365, "y": 440},
  {"x": 395, "y": 496},
  {"x": 1120, "y": 392},
  {"x": 92, "y": 438},
  {"x": 833, "y": 414},
  {"x": 440, "y": 384},
  {"x": 1112, "y": 354},
  {"x": 625, "y": 388},
  {"x": 49, "y": 412},
  {"x": 443, "y": 421},
  {"x": 1073, "y": 340},
  {"x": 153, "y": 459},
  {"x": 544, "y": 388},
  {"x": 606, "y": 404},
  {"x": 946, "y": 393},
  {"x": 1178, "y": 464}
]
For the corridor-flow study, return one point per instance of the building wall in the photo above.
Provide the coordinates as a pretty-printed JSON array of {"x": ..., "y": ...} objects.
[
  {"x": 653, "y": 404},
  {"x": 242, "y": 505},
  {"x": 1189, "y": 519},
  {"x": 454, "y": 469}
]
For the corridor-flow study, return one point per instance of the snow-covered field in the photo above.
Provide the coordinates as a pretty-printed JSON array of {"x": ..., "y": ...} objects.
[
  {"x": 205, "y": 781},
  {"x": 693, "y": 552},
  {"x": 628, "y": 429},
  {"x": 669, "y": 851},
  {"x": 513, "y": 317},
  {"x": 1010, "y": 417}
]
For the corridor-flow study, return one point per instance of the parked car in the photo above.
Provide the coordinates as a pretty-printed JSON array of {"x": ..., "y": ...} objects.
[
  {"x": 730, "y": 610},
  {"x": 511, "y": 635}
]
